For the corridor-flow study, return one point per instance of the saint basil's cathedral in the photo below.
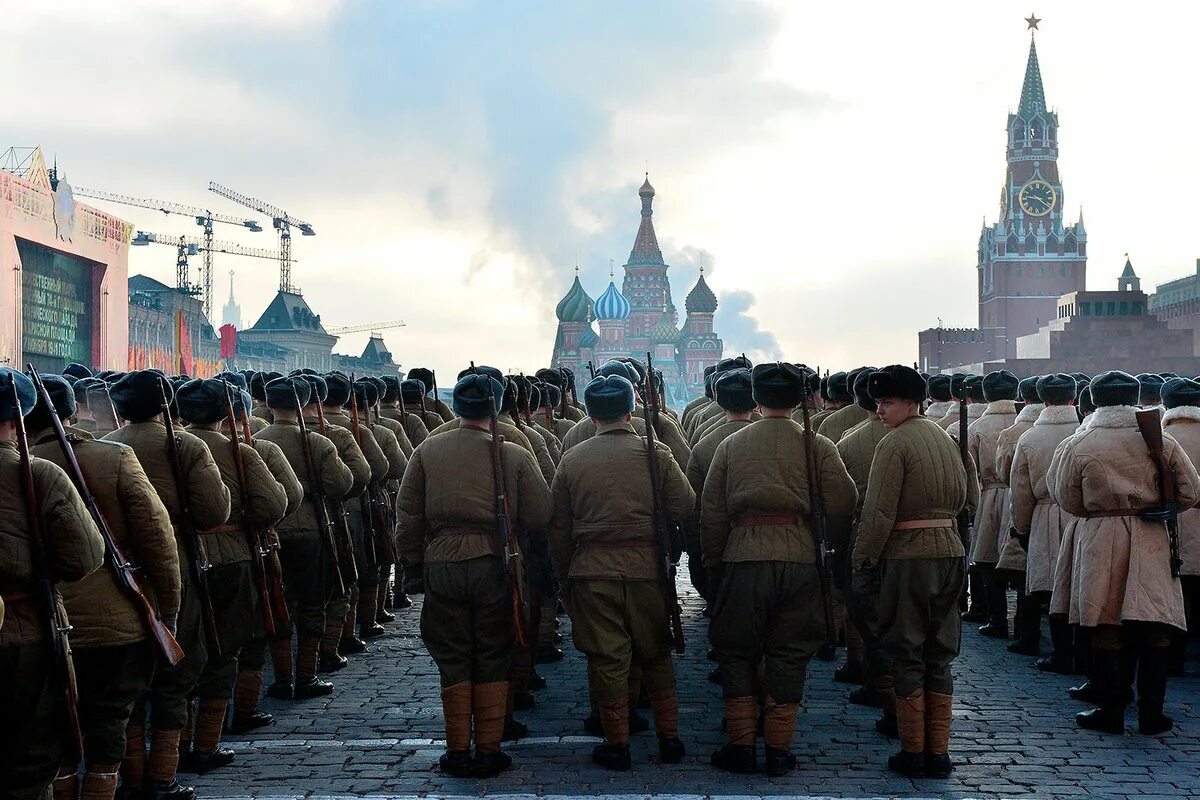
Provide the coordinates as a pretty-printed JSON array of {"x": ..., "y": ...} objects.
[{"x": 641, "y": 318}]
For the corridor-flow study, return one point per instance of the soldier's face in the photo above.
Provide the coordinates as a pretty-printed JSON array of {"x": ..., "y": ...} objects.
[{"x": 894, "y": 410}]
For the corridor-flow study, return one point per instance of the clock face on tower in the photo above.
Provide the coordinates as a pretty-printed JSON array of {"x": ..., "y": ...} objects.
[{"x": 1037, "y": 198}]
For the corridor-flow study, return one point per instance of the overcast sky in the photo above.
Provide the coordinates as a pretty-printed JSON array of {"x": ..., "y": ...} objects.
[{"x": 835, "y": 160}]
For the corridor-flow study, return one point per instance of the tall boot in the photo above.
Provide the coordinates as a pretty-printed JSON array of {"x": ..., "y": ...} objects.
[
  {"x": 100, "y": 782},
  {"x": 66, "y": 783},
  {"x": 456, "y": 710},
  {"x": 665, "y": 705},
  {"x": 207, "y": 753},
  {"x": 284, "y": 667},
  {"x": 330, "y": 655},
  {"x": 614, "y": 718},
  {"x": 1062, "y": 647},
  {"x": 938, "y": 716},
  {"x": 133, "y": 765},
  {"x": 383, "y": 600},
  {"x": 1152, "y": 691},
  {"x": 887, "y": 723},
  {"x": 246, "y": 692},
  {"x": 910, "y": 719},
  {"x": 779, "y": 728},
  {"x": 350, "y": 642},
  {"x": 996, "y": 589},
  {"x": 1028, "y": 625},
  {"x": 853, "y": 670},
  {"x": 1109, "y": 717},
  {"x": 741, "y": 726},
  {"x": 489, "y": 703},
  {"x": 307, "y": 683},
  {"x": 162, "y": 767},
  {"x": 977, "y": 608},
  {"x": 185, "y": 736},
  {"x": 1178, "y": 652},
  {"x": 637, "y": 722},
  {"x": 368, "y": 603}
]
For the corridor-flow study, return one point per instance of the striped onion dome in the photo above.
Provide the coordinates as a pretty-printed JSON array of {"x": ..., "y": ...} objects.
[
  {"x": 575, "y": 306},
  {"x": 588, "y": 338},
  {"x": 612, "y": 304}
]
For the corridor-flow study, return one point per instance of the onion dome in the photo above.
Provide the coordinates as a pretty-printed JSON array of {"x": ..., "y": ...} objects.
[
  {"x": 589, "y": 338},
  {"x": 612, "y": 305},
  {"x": 700, "y": 299},
  {"x": 647, "y": 191},
  {"x": 575, "y": 306},
  {"x": 664, "y": 332}
]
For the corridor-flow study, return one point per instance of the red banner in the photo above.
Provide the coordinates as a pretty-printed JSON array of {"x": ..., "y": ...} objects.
[
  {"x": 228, "y": 341},
  {"x": 184, "y": 363}
]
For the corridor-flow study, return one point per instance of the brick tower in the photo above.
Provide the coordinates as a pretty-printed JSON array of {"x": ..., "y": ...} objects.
[{"x": 646, "y": 285}]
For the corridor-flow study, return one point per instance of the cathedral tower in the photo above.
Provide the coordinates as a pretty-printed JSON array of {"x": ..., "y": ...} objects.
[{"x": 646, "y": 283}]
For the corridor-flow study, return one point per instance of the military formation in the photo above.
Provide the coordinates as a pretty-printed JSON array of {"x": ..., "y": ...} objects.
[{"x": 170, "y": 542}]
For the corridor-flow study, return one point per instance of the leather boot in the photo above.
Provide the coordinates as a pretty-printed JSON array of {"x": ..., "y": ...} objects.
[
  {"x": 1029, "y": 626},
  {"x": 185, "y": 736},
  {"x": 162, "y": 766},
  {"x": 910, "y": 719},
  {"x": 779, "y": 728},
  {"x": 66, "y": 784},
  {"x": 1109, "y": 717},
  {"x": 887, "y": 724},
  {"x": 741, "y": 726},
  {"x": 456, "y": 710},
  {"x": 284, "y": 667},
  {"x": 1152, "y": 691},
  {"x": 489, "y": 704},
  {"x": 207, "y": 753},
  {"x": 349, "y": 643},
  {"x": 327, "y": 650},
  {"x": 368, "y": 628},
  {"x": 977, "y": 610},
  {"x": 665, "y": 705},
  {"x": 246, "y": 691},
  {"x": 938, "y": 716},
  {"x": 307, "y": 683},
  {"x": 1062, "y": 657},
  {"x": 100, "y": 782},
  {"x": 996, "y": 588},
  {"x": 614, "y": 753},
  {"x": 133, "y": 765},
  {"x": 383, "y": 602},
  {"x": 1178, "y": 651}
]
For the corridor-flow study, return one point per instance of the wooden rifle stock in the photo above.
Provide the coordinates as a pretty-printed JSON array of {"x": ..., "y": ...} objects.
[
  {"x": 258, "y": 567},
  {"x": 344, "y": 540},
  {"x": 1150, "y": 426},
  {"x": 514, "y": 562},
  {"x": 191, "y": 540},
  {"x": 270, "y": 541},
  {"x": 964, "y": 516},
  {"x": 56, "y": 628},
  {"x": 124, "y": 573},
  {"x": 316, "y": 496},
  {"x": 674, "y": 611},
  {"x": 816, "y": 512},
  {"x": 365, "y": 500}
]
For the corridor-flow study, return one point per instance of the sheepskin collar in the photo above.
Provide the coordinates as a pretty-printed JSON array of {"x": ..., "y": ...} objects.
[
  {"x": 1058, "y": 415},
  {"x": 976, "y": 410},
  {"x": 1001, "y": 407},
  {"x": 1114, "y": 417},
  {"x": 1030, "y": 412},
  {"x": 1187, "y": 413},
  {"x": 937, "y": 409}
]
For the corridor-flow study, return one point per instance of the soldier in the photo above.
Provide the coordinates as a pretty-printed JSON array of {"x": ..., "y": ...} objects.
[
  {"x": 867, "y": 663},
  {"x": 732, "y": 391},
  {"x": 255, "y": 505},
  {"x": 83, "y": 419},
  {"x": 958, "y": 393},
  {"x": 111, "y": 651},
  {"x": 999, "y": 390},
  {"x": 1038, "y": 521},
  {"x": 533, "y": 403},
  {"x": 550, "y": 396},
  {"x": 448, "y": 522},
  {"x": 138, "y": 397},
  {"x": 836, "y": 394},
  {"x": 32, "y": 701},
  {"x": 257, "y": 389},
  {"x": 305, "y": 536},
  {"x": 1150, "y": 390},
  {"x": 848, "y": 415},
  {"x": 713, "y": 410},
  {"x": 607, "y": 554},
  {"x": 413, "y": 392},
  {"x": 430, "y": 401},
  {"x": 1181, "y": 398},
  {"x": 761, "y": 553},
  {"x": 908, "y": 554},
  {"x": 392, "y": 408},
  {"x": 1122, "y": 586},
  {"x": 700, "y": 402},
  {"x": 940, "y": 397}
]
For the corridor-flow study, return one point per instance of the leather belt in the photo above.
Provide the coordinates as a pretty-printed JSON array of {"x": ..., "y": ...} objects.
[
  {"x": 1114, "y": 512},
  {"x": 922, "y": 524},
  {"x": 766, "y": 519}
]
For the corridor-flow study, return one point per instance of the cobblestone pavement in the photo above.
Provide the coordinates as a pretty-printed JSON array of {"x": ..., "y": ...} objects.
[{"x": 380, "y": 733}]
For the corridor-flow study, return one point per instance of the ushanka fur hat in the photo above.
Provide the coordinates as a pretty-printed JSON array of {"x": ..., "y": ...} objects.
[
  {"x": 138, "y": 396},
  {"x": 1000, "y": 385},
  {"x": 1115, "y": 388},
  {"x": 282, "y": 393},
  {"x": 1180, "y": 392},
  {"x": 608, "y": 397},
  {"x": 735, "y": 391},
  {"x": 896, "y": 381},
  {"x": 475, "y": 394},
  {"x": 1150, "y": 391},
  {"x": 1056, "y": 390},
  {"x": 779, "y": 384},
  {"x": 1027, "y": 390},
  {"x": 938, "y": 387}
]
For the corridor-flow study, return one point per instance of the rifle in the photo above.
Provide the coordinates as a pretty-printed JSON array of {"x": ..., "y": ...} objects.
[
  {"x": 258, "y": 567},
  {"x": 433, "y": 377},
  {"x": 317, "y": 496},
  {"x": 364, "y": 500},
  {"x": 270, "y": 548},
  {"x": 377, "y": 536},
  {"x": 124, "y": 573},
  {"x": 1150, "y": 426},
  {"x": 964, "y": 516},
  {"x": 58, "y": 630},
  {"x": 345, "y": 542},
  {"x": 514, "y": 563},
  {"x": 816, "y": 510},
  {"x": 674, "y": 611},
  {"x": 191, "y": 540},
  {"x": 592, "y": 370}
]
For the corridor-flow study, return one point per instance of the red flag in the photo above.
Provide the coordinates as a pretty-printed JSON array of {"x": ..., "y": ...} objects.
[
  {"x": 228, "y": 341},
  {"x": 183, "y": 347}
]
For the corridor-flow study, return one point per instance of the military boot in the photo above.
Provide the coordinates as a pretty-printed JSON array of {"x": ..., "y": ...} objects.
[
  {"x": 1062, "y": 648},
  {"x": 383, "y": 601},
  {"x": 489, "y": 702},
  {"x": 1152, "y": 691},
  {"x": 330, "y": 657},
  {"x": 307, "y": 683},
  {"x": 368, "y": 626},
  {"x": 614, "y": 753},
  {"x": 1109, "y": 717},
  {"x": 162, "y": 767},
  {"x": 996, "y": 590},
  {"x": 665, "y": 705},
  {"x": 246, "y": 691},
  {"x": 1028, "y": 626},
  {"x": 66, "y": 784},
  {"x": 350, "y": 644},
  {"x": 938, "y": 715},
  {"x": 100, "y": 782},
  {"x": 977, "y": 609},
  {"x": 910, "y": 719},
  {"x": 133, "y": 765},
  {"x": 207, "y": 753},
  {"x": 456, "y": 710},
  {"x": 779, "y": 728},
  {"x": 741, "y": 725}
]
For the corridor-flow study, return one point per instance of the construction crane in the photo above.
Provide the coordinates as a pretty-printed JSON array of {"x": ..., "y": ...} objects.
[
  {"x": 190, "y": 246},
  {"x": 281, "y": 220},
  {"x": 204, "y": 218},
  {"x": 373, "y": 328}
]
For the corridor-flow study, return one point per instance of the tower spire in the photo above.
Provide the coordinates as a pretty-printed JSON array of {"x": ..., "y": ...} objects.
[{"x": 1033, "y": 95}]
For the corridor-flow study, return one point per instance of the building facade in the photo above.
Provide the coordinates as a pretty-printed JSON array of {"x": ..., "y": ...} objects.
[{"x": 641, "y": 318}]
